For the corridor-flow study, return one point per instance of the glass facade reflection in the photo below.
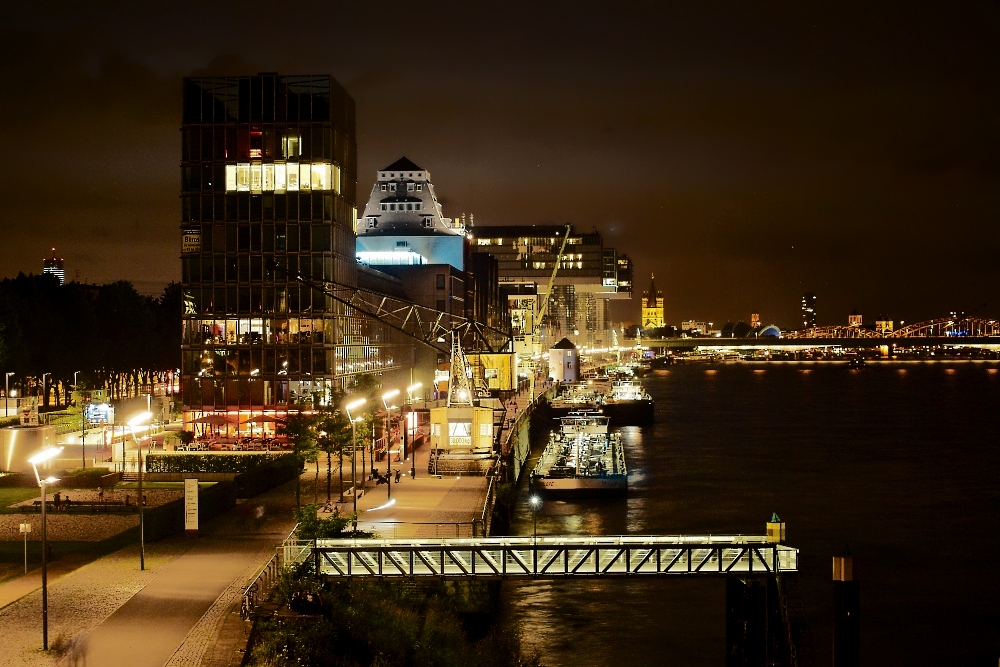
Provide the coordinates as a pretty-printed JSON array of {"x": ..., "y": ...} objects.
[{"x": 268, "y": 179}]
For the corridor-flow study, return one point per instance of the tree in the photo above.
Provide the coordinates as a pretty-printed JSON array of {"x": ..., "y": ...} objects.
[
  {"x": 334, "y": 439},
  {"x": 300, "y": 427}
]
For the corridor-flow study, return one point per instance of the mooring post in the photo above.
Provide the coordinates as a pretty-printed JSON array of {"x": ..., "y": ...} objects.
[{"x": 846, "y": 611}]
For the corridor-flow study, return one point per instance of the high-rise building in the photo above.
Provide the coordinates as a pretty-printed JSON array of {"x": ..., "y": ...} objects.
[
  {"x": 589, "y": 275},
  {"x": 652, "y": 307},
  {"x": 808, "y": 310},
  {"x": 268, "y": 173},
  {"x": 54, "y": 266}
]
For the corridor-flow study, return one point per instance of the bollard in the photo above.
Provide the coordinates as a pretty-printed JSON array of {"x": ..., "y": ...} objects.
[{"x": 846, "y": 611}]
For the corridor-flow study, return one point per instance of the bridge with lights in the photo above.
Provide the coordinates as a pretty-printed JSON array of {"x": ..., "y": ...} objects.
[
  {"x": 955, "y": 331},
  {"x": 553, "y": 557}
]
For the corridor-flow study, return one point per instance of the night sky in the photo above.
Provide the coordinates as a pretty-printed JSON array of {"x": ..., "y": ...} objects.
[{"x": 744, "y": 152}]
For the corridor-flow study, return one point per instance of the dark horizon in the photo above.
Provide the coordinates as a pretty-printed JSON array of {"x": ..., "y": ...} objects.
[{"x": 744, "y": 153}]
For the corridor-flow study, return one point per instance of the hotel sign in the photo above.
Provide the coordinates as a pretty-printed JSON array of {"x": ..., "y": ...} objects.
[{"x": 191, "y": 243}]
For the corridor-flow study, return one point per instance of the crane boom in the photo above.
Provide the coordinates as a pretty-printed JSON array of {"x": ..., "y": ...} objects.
[{"x": 552, "y": 279}]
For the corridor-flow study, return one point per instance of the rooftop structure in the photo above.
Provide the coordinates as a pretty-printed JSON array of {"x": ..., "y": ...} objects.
[{"x": 54, "y": 266}]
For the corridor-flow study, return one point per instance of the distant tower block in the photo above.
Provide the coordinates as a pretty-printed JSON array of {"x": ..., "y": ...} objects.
[
  {"x": 54, "y": 266},
  {"x": 652, "y": 307},
  {"x": 754, "y": 320},
  {"x": 854, "y": 319},
  {"x": 808, "y": 310}
]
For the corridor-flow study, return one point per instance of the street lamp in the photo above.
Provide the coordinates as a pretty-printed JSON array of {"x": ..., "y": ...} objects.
[
  {"x": 535, "y": 503},
  {"x": 6, "y": 394},
  {"x": 406, "y": 427},
  {"x": 354, "y": 405},
  {"x": 42, "y": 457},
  {"x": 388, "y": 421},
  {"x": 141, "y": 418}
]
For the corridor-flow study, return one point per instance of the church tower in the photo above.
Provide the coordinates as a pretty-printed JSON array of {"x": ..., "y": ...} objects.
[{"x": 652, "y": 307}]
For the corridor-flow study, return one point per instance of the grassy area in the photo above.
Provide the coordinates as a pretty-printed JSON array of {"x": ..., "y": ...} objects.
[{"x": 9, "y": 496}]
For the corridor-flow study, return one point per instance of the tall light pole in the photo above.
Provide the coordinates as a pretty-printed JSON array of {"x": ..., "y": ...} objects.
[
  {"x": 42, "y": 457},
  {"x": 535, "y": 503},
  {"x": 141, "y": 418},
  {"x": 388, "y": 422},
  {"x": 354, "y": 405},
  {"x": 83, "y": 424},
  {"x": 6, "y": 394},
  {"x": 406, "y": 428}
]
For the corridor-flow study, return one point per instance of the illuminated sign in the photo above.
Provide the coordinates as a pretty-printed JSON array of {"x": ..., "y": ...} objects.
[
  {"x": 99, "y": 413},
  {"x": 191, "y": 243}
]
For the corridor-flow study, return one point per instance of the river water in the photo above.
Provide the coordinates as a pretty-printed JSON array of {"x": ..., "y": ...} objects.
[{"x": 898, "y": 461}]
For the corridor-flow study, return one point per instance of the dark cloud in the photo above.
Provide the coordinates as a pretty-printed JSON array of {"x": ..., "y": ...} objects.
[{"x": 744, "y": 151}]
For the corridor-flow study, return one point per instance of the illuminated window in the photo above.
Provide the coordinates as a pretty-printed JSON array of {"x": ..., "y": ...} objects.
[
  {"x": 256, "y": 178},
  {"x": 305, "y": 177},
  {"x": 290, "y": 147},
  {"x": 268, "y": 177},
  {"x": 243, "y": 177},
  {"x": 293, "y": 176},
  {"x": 320, "y": 177},
  {"x": 256, "y": 141},
  {"x": 280, "y": 178},
  {"x": 230, "y": 177}
]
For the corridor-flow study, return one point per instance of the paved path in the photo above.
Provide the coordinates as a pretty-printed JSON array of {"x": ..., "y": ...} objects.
[{"x": 171, "y": 613}]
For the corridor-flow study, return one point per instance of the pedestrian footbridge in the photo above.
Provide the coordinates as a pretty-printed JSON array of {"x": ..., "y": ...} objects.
[{"x": 553, "y": 557}]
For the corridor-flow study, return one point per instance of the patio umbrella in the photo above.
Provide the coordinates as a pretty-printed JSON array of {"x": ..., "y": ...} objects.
[
  {"x": 214, "y": 420},
  {"x": 264, "y": 419}
]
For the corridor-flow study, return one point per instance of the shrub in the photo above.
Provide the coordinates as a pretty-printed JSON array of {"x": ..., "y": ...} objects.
[{"x": 211, "y": 463}]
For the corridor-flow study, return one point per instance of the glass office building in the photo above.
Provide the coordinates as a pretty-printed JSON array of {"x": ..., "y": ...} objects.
[{"x": 268, "y": 183}]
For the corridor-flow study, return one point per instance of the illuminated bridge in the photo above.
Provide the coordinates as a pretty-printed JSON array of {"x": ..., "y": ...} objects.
[
  {"x": 553, "y": 557},
  {"x": 944, "y": 327}
]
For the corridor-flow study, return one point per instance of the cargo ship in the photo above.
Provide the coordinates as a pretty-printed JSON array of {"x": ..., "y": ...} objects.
[
  {"x": 581, "y": 458},
  {"x": 627, "y": 403}
]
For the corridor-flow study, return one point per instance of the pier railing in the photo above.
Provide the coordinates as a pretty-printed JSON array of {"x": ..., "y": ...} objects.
[{"x": 554, "y": 557}]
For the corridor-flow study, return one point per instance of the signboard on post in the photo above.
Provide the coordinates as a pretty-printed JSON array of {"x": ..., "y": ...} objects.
[
  {"x": 27, "y": 410},
  {"x": 191, "y": 507}
]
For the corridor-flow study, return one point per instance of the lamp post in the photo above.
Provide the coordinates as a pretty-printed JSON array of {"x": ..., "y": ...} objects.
[
  {"x": 6, "y": 394},
  {"x": 42, "y": 457},
  {"x": 141, "y": 418},
  {"x": 83, "y": 424},
  {"x": 354, "y": 405},
  {"x": 535, "y": 503},
  {"x": 406, "y": 428},
  {"x": 388, "y": 422}
]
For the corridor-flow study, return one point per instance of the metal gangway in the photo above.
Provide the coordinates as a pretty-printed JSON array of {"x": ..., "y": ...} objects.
[{"x": 553, "y": 557}]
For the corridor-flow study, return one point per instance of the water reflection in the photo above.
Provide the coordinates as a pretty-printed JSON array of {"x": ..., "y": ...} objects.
[{"x": 879, "y": 459}]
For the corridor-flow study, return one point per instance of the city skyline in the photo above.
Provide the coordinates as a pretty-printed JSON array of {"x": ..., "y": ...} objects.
[{"x": 743, "y": 156}]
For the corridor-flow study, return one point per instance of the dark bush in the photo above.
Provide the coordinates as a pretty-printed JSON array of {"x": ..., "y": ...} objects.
[{"x": 213, "y": 463}]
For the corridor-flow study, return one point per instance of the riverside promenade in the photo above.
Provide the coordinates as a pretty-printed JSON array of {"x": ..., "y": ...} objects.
[{"x": 183, "y": 609}]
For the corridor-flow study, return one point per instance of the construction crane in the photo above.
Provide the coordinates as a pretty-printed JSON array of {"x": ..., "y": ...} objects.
[{"x": 552, "y": 279}]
